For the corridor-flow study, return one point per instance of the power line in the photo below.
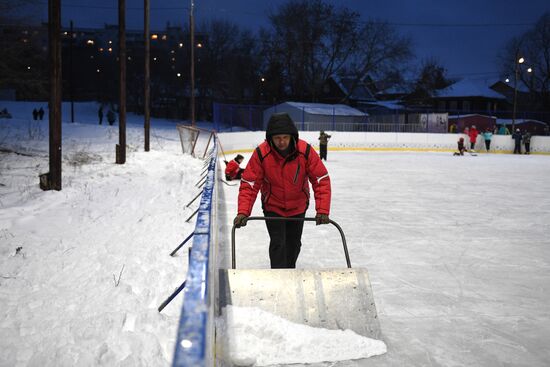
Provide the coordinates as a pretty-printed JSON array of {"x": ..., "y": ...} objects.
[
  {"x": 454, "y": 75},
  {"x": 255, "y": 14},
  {"x": 106, "y": 7},
  {"x": 451, "y": 25}
]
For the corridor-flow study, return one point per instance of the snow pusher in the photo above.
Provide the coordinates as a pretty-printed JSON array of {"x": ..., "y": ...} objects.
[{"x": 325, "y": 298}]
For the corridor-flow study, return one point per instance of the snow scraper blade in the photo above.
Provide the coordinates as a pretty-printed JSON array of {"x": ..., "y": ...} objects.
[
  {"x": 329, "y": 298},
  {"x": 337, "y": 299}
]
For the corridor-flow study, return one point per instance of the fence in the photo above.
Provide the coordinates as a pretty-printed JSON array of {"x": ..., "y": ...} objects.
[
  {"x": 194, "y": 346},
  {"x": 228, "y": 117},
  {"x": 231, "y": 116},
  {"x": 360, "y": 127}
]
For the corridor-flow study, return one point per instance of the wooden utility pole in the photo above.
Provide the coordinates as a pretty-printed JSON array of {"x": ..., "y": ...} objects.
[
  {"x": 121, "y": 147},
  {"x": 71, "y": 74},
  {"x": 52, "y": 179},
  {"x": 192, "y": 32},
  {"x": 147, "y": 78}
]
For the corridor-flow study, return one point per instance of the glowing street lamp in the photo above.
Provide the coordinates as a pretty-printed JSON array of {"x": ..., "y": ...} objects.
[{"x": 517, "y": 63}]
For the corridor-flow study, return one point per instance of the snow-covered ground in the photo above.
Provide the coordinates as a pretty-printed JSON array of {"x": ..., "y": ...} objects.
[
  {"x": 83, "y": 270},
  {"x": 457, "y": 249}
]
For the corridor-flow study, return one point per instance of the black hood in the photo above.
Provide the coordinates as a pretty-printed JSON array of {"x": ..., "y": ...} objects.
[{"x": 279, "y": 124}]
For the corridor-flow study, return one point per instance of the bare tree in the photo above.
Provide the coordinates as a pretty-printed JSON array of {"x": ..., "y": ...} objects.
[
  {"x": 534, "y": 47},
  {"x": 380, "y": 53},
  {"x": 311, "y": 40},
  {"x": 430, "y": 79},
  {"x": 229, "y": 61}
]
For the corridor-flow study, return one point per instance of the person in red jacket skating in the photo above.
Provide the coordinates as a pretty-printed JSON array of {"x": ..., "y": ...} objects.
[
  {"x": 233, "y": 170},
  {"x": 473, "y": 133},
  {"x": 282, "y": 168}
]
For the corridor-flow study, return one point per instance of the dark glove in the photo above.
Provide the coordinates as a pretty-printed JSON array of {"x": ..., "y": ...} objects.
[
  {"x": 322, "y": 219},
  {"x": 240, "y": 220}
]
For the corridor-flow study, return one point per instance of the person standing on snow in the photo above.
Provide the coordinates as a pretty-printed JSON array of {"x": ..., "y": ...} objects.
[
  {"x": 280, "y": 168},
  {"x": 323, "y": 144},
  {"x": 517, "y": 141},
  {"x": 487, "y": 136},
  {"x": 233, "y": 171},
  {"x": 100, "y": 114},
  {"x": 527, "y": 141},
  {"x": 473, "y": 133}
]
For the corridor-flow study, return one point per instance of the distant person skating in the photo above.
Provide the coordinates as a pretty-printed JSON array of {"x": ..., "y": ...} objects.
[
  {"x": 100, "y": 114},
  {"x": 41, "y": 113},
  {"x": 111, "y": 117},
  {"x": 233, "y": 171},
  {"x": 517, "y": 141},
  {"x": 527, "y": 142},
  {"x": 461, "y": 147},
  {"x": 487, "y": 136},
  {"x": 473, "y": 133},
  {"x": 323, "y": 144},
  {"x": 35, "y": 114}
]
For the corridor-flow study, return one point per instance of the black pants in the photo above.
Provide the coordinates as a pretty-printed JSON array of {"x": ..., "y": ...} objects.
[
  {"x": 323, "y": 151},
  {"x": 527, "y": 148},
  {"x": 517, "y": 148},
  {"x": 487, "y": 144},
  {"x": 286, "y": 241},
  {"x": 238, "y": 177}
]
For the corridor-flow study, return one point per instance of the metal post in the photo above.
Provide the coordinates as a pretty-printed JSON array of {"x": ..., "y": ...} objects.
[
  {"x": 147, "y": 77},
  {"x": 192, "y": 32},
  {"x": 71, "y": 77},
  {"x": 192, "y": 215},
  {"x": 121, "y": 147},
  {"x": 182, "y": 244},
  {"x": 515, "y": 94},
  {"x": 52, "y": 179},
  {"x": 172, "y": 296}
]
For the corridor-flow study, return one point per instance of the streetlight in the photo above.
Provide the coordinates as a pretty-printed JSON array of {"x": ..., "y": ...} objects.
[{"x": 517, "y": 62}]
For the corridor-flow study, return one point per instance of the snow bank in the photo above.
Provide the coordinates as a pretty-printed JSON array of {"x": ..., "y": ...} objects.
[{"x": 254, "y": 337}]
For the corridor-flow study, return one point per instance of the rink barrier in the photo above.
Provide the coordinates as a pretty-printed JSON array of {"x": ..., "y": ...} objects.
[
  {"x": 195, "y": 338},
  {"x": 241, "y": 142}
]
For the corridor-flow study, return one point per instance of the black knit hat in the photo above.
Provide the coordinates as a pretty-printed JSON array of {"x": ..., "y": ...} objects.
[{"x": 281, "y": 124}]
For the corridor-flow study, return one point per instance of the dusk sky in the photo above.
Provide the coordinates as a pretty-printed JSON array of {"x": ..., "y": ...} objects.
[{"x": 464, "y": 36}]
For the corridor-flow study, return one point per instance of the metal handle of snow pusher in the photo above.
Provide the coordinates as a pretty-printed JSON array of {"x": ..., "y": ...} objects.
[{"x": 233, "y": 261}]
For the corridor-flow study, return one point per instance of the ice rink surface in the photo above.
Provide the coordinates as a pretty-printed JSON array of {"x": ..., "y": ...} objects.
[{"x": 457, "y": 249}]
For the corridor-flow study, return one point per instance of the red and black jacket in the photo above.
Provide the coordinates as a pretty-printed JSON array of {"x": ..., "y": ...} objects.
[
  {"x": 283, "y": 182},
  {"x": 232, "y": 169}
]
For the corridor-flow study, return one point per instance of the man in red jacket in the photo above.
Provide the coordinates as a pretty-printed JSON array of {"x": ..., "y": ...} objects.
[
  {"x": 233, "y": 170},
  {"x": 280, "y": 168}
]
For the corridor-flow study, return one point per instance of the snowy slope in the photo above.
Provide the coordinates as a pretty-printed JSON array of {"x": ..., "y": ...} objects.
[{"x": 83, "y": 270}]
